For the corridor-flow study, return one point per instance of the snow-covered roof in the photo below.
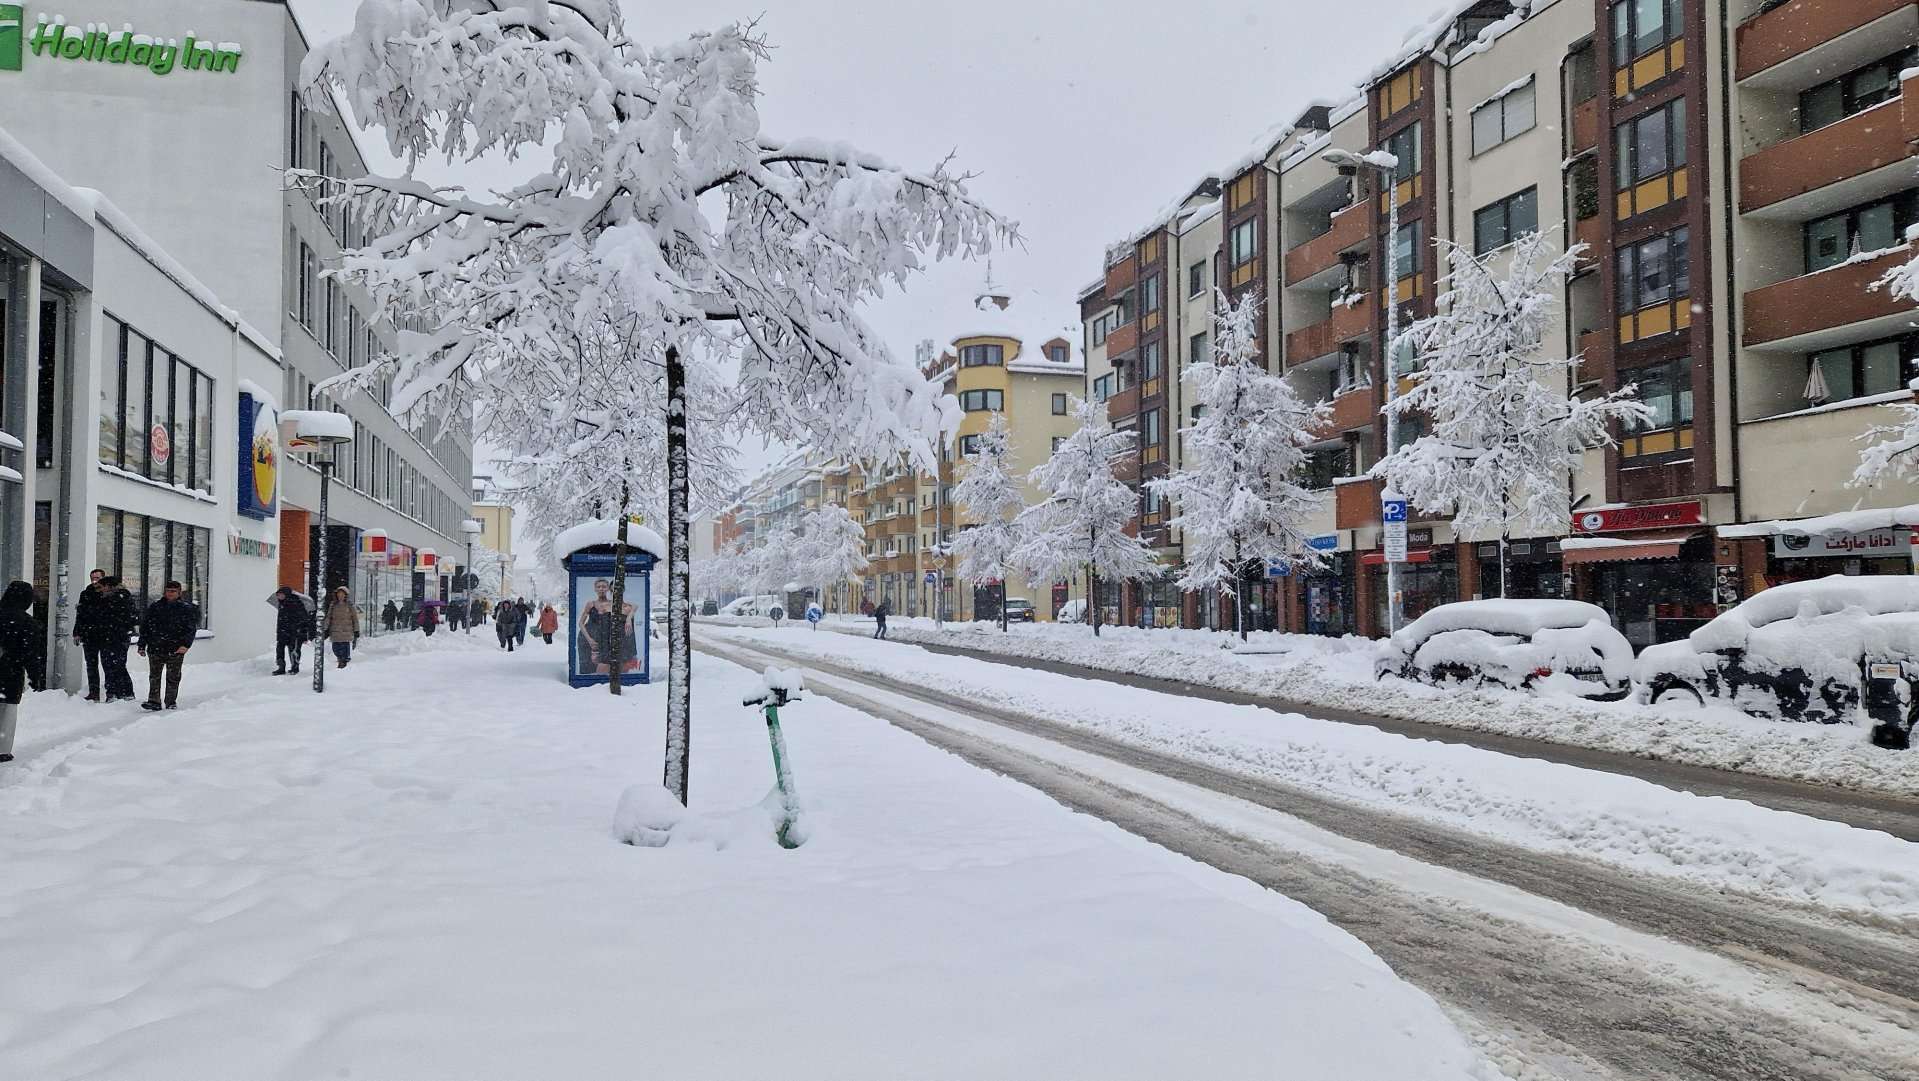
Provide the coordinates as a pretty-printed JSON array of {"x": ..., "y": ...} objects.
[
  {"x": 603, "y": 531},
  {"x": 1023, "y": 319},
  {"x": 1851, "y": 521}
]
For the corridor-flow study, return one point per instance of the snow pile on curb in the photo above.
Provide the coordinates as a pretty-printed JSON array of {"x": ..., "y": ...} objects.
[{"x": 1337, "y": 673}]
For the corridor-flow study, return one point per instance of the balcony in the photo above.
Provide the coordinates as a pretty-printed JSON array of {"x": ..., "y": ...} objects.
[
  {"x": 1122, "y": 339},
  {"x": 1357, "y": 407},
  {"x": 1347, "y": 321},
  {"x": 1586, "y": 125},
  {"x": 1832, "y": 307},
  {"x": 1792, "y": 41},
  {"x": 1356, "y": 504},
  {"x": 1120, "y": 276},
  {"x": 1123, "y": 404},
  {"x": 931, "y": 516},
  {"x": 1321, "y": 254},
  {"x": 1860, "y": 158}
]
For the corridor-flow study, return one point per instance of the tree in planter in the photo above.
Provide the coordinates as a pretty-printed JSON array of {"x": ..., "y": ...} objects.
[
  {"x": 1506, "y": 429},
  {"x": 1890, "y": 448},
  {"x": 1237, "y": 494},
  {"x": 661, "y": 193},
  {"x": 831, "y": 548},
  {"x": 1081, "y": 522},
  {"x": 988, "y": 546}
]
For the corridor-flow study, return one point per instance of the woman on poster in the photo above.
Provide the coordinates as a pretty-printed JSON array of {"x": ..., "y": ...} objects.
[{"x": 596, "y": 629}]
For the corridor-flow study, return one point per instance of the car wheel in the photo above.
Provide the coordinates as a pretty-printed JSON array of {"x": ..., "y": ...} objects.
[{"x": 1675, "y": 693}]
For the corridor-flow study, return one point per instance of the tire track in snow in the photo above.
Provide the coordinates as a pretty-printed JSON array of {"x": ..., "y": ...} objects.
[{"x": 1838, "y": 1000}]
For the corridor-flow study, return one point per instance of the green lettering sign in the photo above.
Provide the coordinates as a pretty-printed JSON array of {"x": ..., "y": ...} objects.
[
  {"x": 11, "y": 17},
  {"x": 53, "y": 38}
]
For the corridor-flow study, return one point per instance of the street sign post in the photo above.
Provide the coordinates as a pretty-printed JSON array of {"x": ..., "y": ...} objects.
[{"x": 1392, "y": 516}]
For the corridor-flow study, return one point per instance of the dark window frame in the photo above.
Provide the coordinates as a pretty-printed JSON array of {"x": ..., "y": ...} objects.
[
  {"x": 1625, "y": 47},
  {"x": 990, "y": 355},
  {"x": 1503, "y": 211}
]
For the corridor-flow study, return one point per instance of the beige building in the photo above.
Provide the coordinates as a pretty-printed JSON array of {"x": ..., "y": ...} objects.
[{"x": 495, "y": 516}]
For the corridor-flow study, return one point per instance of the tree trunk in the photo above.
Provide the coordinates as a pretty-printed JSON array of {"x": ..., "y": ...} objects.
[
  {"x": 619, "y": 580},
  {"x": 1002, "y": 602},
  {"x": 1505, "y": 571},
  {"x": 679, "y": 615},
  {"x": 1241, "y": 597},
  {"x": 1092, "y": 599}
]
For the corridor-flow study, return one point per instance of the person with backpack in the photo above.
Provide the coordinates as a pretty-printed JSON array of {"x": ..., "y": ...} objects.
[
  {"x": 23, "y": 655},
  {"x": 167, "y": 631},
  {"x": 292, "y": 627}
]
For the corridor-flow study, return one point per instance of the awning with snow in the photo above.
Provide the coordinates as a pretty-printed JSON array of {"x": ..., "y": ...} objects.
[
  {"x": 1623, "y": 549},
  {"x": 1851, "y": 521}
]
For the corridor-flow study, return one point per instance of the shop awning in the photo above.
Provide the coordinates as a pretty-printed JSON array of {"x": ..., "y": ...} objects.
[
  {"x": 1622, "y": 549},
  {"x": 1374, "y": 559}
]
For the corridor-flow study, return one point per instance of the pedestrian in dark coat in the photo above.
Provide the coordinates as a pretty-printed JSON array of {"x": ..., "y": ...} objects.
[
  {"x": 103, "y": 625},
  {"x": 455, "y": 614},
  {"x": 292, "y": 627},
  {"x": 879, "y": 617},
  {"x": 475, "y": 614},
  {"x": 429, "y": 619},
  {"x": 523, "y": 617},
  {"x": 166, "y": 633},
  {"x": 389, "y": 615},
  {"x": 508, "y": 622},
  {"x": 23, "y": 654}
]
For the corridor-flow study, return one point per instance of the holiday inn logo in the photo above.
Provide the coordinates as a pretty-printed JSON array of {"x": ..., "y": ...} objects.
[
  {"x": 53, "y": 38},
  {"x": 10, "y": 16}
]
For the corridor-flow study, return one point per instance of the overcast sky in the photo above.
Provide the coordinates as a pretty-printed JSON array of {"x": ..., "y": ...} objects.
[{"x": 1081, "y": 118}]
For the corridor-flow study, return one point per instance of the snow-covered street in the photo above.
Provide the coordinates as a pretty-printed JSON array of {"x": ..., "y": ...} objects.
[{"x": 414, "y": 876}]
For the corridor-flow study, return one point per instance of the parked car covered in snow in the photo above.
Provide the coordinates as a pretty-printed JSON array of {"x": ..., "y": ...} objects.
[
  {"x": 1071, "y": 612},
  {"x": 761, "y": 605},
  {"x": 1799, "y": 651},
  {"x": 1567, "y": 646}
]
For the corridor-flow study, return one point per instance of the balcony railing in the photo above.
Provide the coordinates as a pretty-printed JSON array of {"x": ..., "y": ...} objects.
[
  {"x": 1349, "y": 231},
  {"x": 1120, "y": 275},
  {"x": 1123, "y": 404},
  {"x": 1831, "y": 299},
  {"x": 1798, "y": 27},
  {"x": 1859, "y": 144},
  {"x": 1356, "y": 504},
  {"x": 1346, "y": 322},
  {"x": 1586, "y": 124},
  {"x": 1122, "y": 339}
]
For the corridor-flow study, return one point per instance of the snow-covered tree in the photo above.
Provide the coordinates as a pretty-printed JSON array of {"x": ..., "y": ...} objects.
[
  {"x": 831, "y": 547},
  {"x": 658, "y": 193},
  {"x": 490, "y": 570},
  {"x": 1080, "y": 522},
  {"x": 1890, "y": 447},
  {"x": 1237, "y": 497},
  {"x": 1506, "y": 432},
  {"x": 988, "y": 543}
]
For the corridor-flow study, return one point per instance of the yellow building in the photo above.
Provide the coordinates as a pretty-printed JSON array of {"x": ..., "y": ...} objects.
[
  {"x": 994, "y": 364},
  {"x": 495, "y": 516}
]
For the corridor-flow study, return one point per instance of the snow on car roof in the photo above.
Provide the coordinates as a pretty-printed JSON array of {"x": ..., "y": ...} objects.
[
  {"x": 1876, "y": 594},
  {"x": 1503, "y": 616}
]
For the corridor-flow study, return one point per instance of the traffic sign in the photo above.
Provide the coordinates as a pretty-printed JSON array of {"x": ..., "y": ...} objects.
[
  {"x": 1392, "y": 510},
  {"x": 1393, "y": 540},
  {"x": 932, "y": 577}
]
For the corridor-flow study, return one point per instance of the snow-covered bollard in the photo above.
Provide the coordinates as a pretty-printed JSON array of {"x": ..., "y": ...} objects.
[
  {"x": 647, "y": 815},
  {"x": 780, "y": 686}
]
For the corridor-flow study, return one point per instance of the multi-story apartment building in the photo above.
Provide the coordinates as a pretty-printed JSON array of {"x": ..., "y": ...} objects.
[
  {"x": 197, "y": 156},
  {"x": 1741, "y": 172}
]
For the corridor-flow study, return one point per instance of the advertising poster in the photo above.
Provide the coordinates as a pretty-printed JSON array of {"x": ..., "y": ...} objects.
[
  {"x": 595, "y": 624},
  {"x": 258, "y": 490}
]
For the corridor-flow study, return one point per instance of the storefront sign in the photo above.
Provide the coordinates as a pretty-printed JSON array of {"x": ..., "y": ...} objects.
[
  {"x": 1648, "y": 516},
  {"x": 1325, "y": 542},
  {"x": 1870, "y": 544},
  {"x": 259, "y": 482},
  {"x": 247, "y": 546},
  {"x": 53, "y": 38}
]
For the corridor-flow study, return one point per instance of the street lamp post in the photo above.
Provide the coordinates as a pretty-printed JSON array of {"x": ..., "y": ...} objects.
[
  {"x": 471, "y": 527},
  {"x": 317, "y": 432},
  {"x": 1386, "y": 167}
]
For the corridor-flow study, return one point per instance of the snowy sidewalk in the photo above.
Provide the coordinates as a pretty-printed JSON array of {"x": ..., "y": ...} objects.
[{"x": 413, "y": 877}]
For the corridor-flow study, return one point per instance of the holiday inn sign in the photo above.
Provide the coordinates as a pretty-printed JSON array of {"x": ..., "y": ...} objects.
[{"x": 53, "y": 38}]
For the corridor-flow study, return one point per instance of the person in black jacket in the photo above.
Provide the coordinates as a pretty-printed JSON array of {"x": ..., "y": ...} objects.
[
  {"x": 389, "y": 615},
  {"x": 23, "y": 654},
  {"x": 103, "y": 625},
  {"x": 292, "y": 628},
  {"x": 166, "y": 633}
]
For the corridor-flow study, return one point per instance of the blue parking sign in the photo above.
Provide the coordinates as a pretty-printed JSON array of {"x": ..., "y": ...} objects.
[{"x": 1392, "y": 510}]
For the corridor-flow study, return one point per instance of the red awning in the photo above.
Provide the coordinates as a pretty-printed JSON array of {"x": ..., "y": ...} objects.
[
  {"x": 1630, "y": 547},
  {"x": 1418, "y": 555}
]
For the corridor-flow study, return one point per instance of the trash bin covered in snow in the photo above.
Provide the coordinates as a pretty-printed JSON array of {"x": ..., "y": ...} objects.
[{"x": 594, "y": 630}]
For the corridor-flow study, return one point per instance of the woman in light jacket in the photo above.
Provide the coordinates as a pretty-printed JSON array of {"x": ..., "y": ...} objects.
[{"x": 342, "y": 626}]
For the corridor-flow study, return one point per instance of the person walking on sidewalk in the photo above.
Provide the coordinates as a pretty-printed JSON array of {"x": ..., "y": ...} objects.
[
  {"x": 292, "y": 627},
  {"x": 166, "y": 633},
  {"x": 879, "y": 617},
  {"x": 475, "y": 614},
  {"x": 23, "y": 653},
  {"x": 521, "y": 618},
  {"x": 429, "y": 618},
  {"x": 508, "y": 622},
  {"x": 549, "y": 623},
  {"x": 86, "y": 621},
  {"x": 103, "y": 626},
  {"x": 455, "y": 612},
  {"x": 341, "y": 626},
  {"x": 389, "y": 616}
]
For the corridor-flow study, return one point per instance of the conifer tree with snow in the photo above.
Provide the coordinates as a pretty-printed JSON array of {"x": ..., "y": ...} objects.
[
  {"x": 657, "y": 187},
  {"x": 1506, "y": 433},
  {"x": 1890, "y": 447},
  {"x": 1237, "y": 496},
  {"x": 1079, "y": 524},
  {"x": 831, "y": 547},
  {"x": 989, "y": 542}
]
